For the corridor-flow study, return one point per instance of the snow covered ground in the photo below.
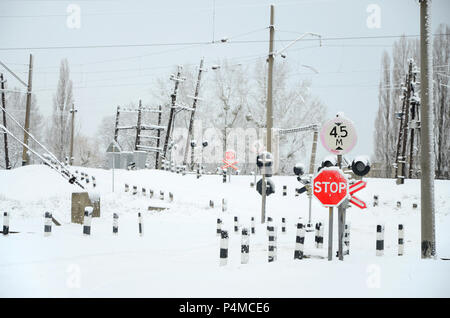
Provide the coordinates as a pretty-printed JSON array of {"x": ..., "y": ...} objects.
[{"x": 178, "y": 256}]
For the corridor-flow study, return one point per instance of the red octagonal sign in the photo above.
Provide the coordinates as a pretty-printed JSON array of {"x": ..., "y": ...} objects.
[{"x": 330, "y": 186}]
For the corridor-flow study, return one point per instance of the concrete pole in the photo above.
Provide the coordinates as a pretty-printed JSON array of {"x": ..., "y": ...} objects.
[
  {"x": 191, "y": 119},
  {"x": 173, "y": 97},
  {"x": 269, "y": 116},
  {"x": 427, "y": 163},
  {"x": 25, "y": 158},
  {"x": 116, "y": 127}
]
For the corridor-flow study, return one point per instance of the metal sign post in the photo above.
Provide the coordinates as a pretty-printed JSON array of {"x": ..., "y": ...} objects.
[
  {"x": 341, "y": 218},
  {"x": 113, "y": 148},
  {"x": 330, "y": 234}
]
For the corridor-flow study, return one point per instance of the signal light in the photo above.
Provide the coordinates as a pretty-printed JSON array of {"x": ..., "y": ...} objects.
[{"x": 360, "y": 166}]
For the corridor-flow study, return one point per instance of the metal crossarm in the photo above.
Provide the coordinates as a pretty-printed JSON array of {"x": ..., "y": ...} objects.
[
  {"x": 298, "y": 129},
  {"x": 152, "y": 127},
  {"x": 126, "y": 127},
  {"x": 149, "y": 148}
]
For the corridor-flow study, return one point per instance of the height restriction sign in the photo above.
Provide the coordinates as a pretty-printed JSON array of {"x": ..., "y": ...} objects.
[{"x": 338, "y": 135}]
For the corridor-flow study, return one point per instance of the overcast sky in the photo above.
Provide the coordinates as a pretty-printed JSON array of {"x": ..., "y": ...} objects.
[{"x": 348, "y": 69}]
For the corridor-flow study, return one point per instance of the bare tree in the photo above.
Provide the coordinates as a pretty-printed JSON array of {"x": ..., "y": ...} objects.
[
  {"x": 293, "y": 105},
  {"x": 387, "y": 126},
  {"x": 441, "y": 60},
  {"x": 384, "y": 132},
  {"x": 59, "y": 132},
  {"x": 16, "y": 103}
]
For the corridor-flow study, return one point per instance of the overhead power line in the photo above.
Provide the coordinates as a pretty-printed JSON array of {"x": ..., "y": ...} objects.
[{"x": 71, "y": 47}]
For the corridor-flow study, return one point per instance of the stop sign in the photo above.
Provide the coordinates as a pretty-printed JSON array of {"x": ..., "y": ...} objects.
[{"x": 330, "y": 186}]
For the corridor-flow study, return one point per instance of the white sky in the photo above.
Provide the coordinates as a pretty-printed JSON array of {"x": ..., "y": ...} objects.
[{"x": 106, "y": 77}]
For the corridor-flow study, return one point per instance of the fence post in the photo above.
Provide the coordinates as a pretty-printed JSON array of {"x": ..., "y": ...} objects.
[
  {"x": 236, "y": 224},
  {"x": 5, "y": 223},
  {"x": 400, "y": 239},
  {"x": 275, "y": 242},
  {"x": 223, "y": 248},
  {"x": 245, "y": 246},
  {"x": 219, "y": 227},
  {"x": 87, "y": 220},
  {"x": 115, "y": 223},
  {"x": 47, "y": 224},
  {"x": 253, "y": 225},
  {"x": 224, "y": 176},
  {"x": 380, "y": 240},
  {"x": 269, "y": 223},
  {"x": 347, "y": 239},
  {"x": 134, "y": 190},
  {"x": 271, "y": 230},
  {"x": 316, "y": 235},
  {"x": 299, "y": 241},
  {"x": 284, "y": 190},
  {"x": 320, "y": 238},
  {"x": 141, "y": 226}
]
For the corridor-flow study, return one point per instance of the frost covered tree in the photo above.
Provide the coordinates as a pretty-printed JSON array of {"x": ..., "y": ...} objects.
[
  {"x": 385, "y": 125},
  {"x": 87, "y": 152},
  {"x": 234, "y": 106},
  {"x": 58, "y": 133},
  {"x": 441, "y": 64},
  {"x": 294, "y": 105},
  {"x": 390, "y": 93},
  {"x": 16, "y": 105}
]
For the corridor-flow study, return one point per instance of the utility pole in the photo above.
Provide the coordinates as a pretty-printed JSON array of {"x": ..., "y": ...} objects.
[
  {"x": 269, "y": 118},
  {"x": 177, "y": 80},
  {"x": 158, "y": 135},
  {"x": 116, "y": 127},
  {"x": 25, "y": 157},
  {"x": 72, "y": 126},
  {"x": 5, "y": 135},
  {"x": 269, "y": 114},
  {"x": 138, "y": 127},
  {"x": 427, "y": 163},
  {"x": 402, "y": 161},
  {"x": 400, "y": 129},
  {"x": 403, "y": 132},
  {"x": 413, "y": 126},
  {"x": 191, "y": 121}
]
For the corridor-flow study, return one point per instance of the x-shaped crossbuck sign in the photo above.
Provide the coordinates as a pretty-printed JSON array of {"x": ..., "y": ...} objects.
[
  {"x": 229, "y": 164},
  {"x": 355, "y": 188}
]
